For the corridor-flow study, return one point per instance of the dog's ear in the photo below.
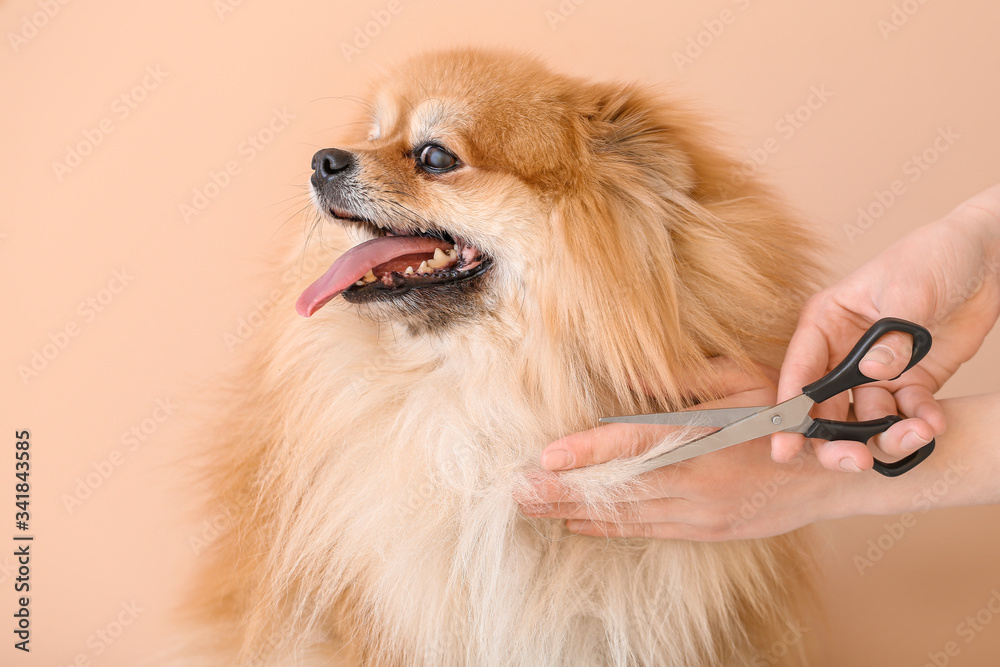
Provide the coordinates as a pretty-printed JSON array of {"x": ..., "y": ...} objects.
[
  {"x": 619, "y": 294},
  {"x": 662, "y": 263},
  {"x": 631, "y": 132},
  {"x": 654, "y": 137}
]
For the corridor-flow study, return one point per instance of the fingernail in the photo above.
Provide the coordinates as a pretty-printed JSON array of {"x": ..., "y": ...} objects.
[
  {"x": 536, "y": 509},
  {"x": 912, "y": 442},
  {"x": 880, "y": 354},
  {"x": 847, "y": 464},
  {"x": 576, "y": 525},
  {"x": 557, "y": 459}
]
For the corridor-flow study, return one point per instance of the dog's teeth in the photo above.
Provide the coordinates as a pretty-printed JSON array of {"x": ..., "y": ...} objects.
[
  {"x": 369, "y": 277},
  {"x": 409, "y": 271},
  {"x": 440, "y": 259},
  {"x": 424, "y": 268},
  {"x": 360, "y": 283}
]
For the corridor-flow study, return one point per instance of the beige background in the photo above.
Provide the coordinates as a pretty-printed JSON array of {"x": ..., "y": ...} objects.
[{"x": 278, "y": 71}]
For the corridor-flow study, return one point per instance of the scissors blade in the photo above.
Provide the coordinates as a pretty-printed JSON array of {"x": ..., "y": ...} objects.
[
  {"x": 787, "y": 416},
  {"x": 715, "y": 417}
]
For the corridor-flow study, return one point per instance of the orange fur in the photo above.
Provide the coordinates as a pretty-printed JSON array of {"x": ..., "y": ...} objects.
[{"x": 369, "y": 458}]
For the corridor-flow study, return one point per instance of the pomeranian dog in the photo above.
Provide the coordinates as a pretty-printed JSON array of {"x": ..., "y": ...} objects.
[{"x": 516, "y": 253}]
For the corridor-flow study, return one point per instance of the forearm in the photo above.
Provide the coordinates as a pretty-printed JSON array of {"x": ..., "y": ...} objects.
[
  {"x": 963, "y": 470},
  {"x": 978, "y": 220}
]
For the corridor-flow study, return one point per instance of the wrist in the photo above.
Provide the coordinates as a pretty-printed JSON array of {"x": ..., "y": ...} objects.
[
  {"x": 978, "y": 219},
  {"x": 869, "y": 493},
  {"x": 962, "y": 470},
  {"x": 845, "y": 494}
]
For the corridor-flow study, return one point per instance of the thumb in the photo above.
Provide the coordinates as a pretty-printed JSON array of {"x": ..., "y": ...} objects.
[{"x": 888, "y": 357}]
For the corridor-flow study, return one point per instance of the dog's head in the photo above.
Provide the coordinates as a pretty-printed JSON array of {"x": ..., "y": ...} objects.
[{"x": 486, "y": 189}]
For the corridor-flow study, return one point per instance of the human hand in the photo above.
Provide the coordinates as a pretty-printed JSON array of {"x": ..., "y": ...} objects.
[
  {"x": 735, "y": 493},
  {"x": 944, "y": 276}
]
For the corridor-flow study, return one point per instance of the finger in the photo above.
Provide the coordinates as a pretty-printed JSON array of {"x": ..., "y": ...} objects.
[
  {"x": 873, "y": 402},
  {"x": 564, "y": 510},
  {"x": 664, "y": 482},
  {"x": 602, "y": 444},
  {"x": 805, "y": 361},
  {"x": 672, "y": 531},
  {"x": 903, "y": 438},
  {"x": 786, "y": 446},
  {"x": 888, "y": 357},
  {"x": 836, "y": 407},
  {"x": 843, "y": 455},
  {"x": 654, "y": 510},
  {"x": 917, "y": 401}
]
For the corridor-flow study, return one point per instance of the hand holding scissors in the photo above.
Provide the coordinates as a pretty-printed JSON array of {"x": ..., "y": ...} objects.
[{"x": 742, "y": 424}]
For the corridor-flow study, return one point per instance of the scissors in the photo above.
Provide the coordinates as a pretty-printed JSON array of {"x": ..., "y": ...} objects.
[{"x": 743, "y": 424}]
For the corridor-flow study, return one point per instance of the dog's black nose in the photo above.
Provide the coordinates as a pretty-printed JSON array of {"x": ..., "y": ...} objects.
[{"x": 332, "y": 162}]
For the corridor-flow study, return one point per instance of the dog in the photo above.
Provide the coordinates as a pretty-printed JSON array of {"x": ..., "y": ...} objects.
[{"x": 512, "y": 254}]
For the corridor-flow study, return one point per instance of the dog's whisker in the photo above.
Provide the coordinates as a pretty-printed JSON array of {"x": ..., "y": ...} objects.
[
  {"x": 297, "y": 196},
  {"x": 302, "y": 203},
  {"x": 302, "y": 209}
]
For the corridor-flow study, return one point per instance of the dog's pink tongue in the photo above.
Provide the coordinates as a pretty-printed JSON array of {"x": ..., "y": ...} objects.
[{"x": 355, "y": 263}]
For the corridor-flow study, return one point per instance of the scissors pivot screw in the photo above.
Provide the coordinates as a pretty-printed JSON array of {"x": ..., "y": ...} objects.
[{"x": 738, "y": 425}]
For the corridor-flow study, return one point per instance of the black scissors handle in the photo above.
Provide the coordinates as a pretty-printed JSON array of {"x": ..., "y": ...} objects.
[
  {"x": 828, "y": 429},
  {"x": 848, "y": 375}
]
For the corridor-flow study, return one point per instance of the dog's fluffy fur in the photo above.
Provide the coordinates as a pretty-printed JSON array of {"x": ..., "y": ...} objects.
[{"x": 370, "y": 456}]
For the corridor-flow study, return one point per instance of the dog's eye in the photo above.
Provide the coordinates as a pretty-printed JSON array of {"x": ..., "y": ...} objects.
[{"x": 435, "y": 158}]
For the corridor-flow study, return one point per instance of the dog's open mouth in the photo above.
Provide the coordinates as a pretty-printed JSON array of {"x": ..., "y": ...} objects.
[{"x": 392, "y": 264}]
